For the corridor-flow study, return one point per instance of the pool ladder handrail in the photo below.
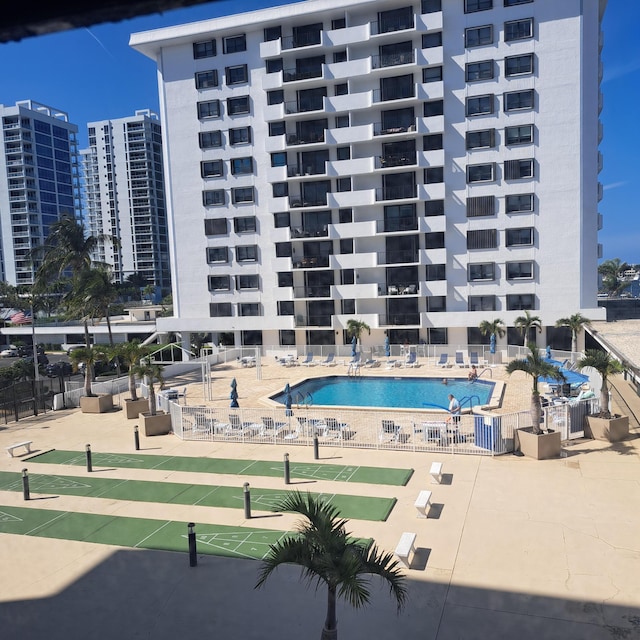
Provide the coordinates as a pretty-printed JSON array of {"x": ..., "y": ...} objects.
[{"x": 469, "y": 399}]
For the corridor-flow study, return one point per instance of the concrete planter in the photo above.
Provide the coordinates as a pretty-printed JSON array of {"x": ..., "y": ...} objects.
[
  {"x": 610, "y": 429},
  {"x": 96, "y": 404},
  {"x": 134, "y": 407},
  {"x": 158, "y": 425},
  {"x": 538, "y": 446}
]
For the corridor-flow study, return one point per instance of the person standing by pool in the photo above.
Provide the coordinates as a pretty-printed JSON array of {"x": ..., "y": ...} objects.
[{"x": 454, "y": 409}]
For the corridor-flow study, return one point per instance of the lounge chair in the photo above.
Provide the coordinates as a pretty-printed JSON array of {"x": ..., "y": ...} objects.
[
  {"x": 329, "y": 361},
  {"x": 473, "y": 358},
  {"x": 412, "y": 360},
  {"x": 390, "y": 431},
  {"x": 308, "y": 362},
  {"x": 333, "y": 427},
  {"x": 391, "y": 364},
  {"x": 271, "y": 428},
  {"x": 371, "y": 363},
  {"x": 355, "y": 360},
  {"x": 460, "y": 359},
  {"x": 444, "y": 360},
  {"x": 236, "y": 428}
]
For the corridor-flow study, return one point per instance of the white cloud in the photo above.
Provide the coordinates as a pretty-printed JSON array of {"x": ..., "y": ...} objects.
[{"x": 615, "y": 185}]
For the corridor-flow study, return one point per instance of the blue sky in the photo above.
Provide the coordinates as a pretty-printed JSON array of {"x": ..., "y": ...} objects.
[{"x": 93, "y": 74}]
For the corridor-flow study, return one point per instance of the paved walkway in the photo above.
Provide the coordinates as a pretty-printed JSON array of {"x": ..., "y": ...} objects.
[{"x": 512, "y": 547}]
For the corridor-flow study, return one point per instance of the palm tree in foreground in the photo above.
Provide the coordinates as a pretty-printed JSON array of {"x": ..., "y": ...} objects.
[
  {"x": 329, "y": 555},
  {"x": 605, "y": 365},
  {"x": 535, "y": 366}
]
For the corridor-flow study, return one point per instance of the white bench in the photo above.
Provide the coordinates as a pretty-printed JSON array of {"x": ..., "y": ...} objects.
[
  {"x": 406, "y": 547},
  {"x": 423, "y": 503},
  {"x": 436, "y": 472},
  {"x": 26, "y": 444}
]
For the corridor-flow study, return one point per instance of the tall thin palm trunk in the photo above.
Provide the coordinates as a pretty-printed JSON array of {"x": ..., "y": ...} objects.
[{"x": 330, "y": 631}]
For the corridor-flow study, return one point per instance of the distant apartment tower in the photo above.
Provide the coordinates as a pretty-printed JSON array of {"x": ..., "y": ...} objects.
[
  {"x": 419, "y": 166},
  {"x": 124, "y": 197},
  {"x": 38, "y": 182}
]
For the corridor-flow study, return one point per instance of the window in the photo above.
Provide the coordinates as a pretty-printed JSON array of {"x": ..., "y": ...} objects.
[
  {"x": 217, "y": 255},
  {"x": 433, "y": 108},
  {"x": 209, "y": 109},
  {"x": 275, "y": 97},
  {"x": 432, "y": 74},
  {"x": 430, "y": 40},
  {"x": 285, "y": 308},
  {"x": 433, "y": 175},
  {"x": 207, "y": 79},
  {"x": 518, "y": 169},
  {"x": 478, "y": 36},
  {"x": 220, "y": 309},
  {"x": 434, "y": 240},
  {"x": 481, "y": 271},
  {"x": 279, "y": 159},
  {"x": 215, "y": 227},
  {"x": 482, "y": 70},
  {"x": 433, "y": 208},
  {"x": 276, "y": 128},
  {"x": 345, "y": 216},
  {"x": 249, "y": 309},
  {"x": 485, "y": 139},
  {"x": 341, "y": 89},
  {"x": 241, "y": 135},
  {"x": 240, "y": 195},
  {"x": 213, "y": 198},
  {"x": 436, "y": 304},
  {"x": 436, "y": 272},
  {"x": 513, "y": 3},
  {"x": 343, "y": 153},
  {"x": 518, "y": 30},
  {"x": 432, "y": 142},
  {"x": 280, "y": 189},
  {"x": 518, "y": 100},
  {"x": 283, "y": 250},
  {"x": 285, "y": 279},
  {"x": 241, "y": 166},
  {"x": 342, "y": 121},
  {"x": 210, "y": 139},
  {"x": 481, "y": 303},
  {"x": 347, "y": 276},
  {"x": 234, "y": 44},
  {"x": 219, "y": 283},
  {"x": 471, "y": 6},
  {"x": 272, "y": 33},
  {"x": 251, "y": 281},
  {"x": 519, "y": 202},
  {"x": 340, "y": 56},
  {"x": 438, "y": 335},
  {"x": 481, "y": 206},
  {"x": 346, "y": 246},
  {"x": 522, "y": 134},
  {"x": 520, "y": 270},
  {"x": 274, "y": 65},
  {"x": 287, "y": 338},
  {"x": 236, "y": 106},
  {"x": 518, "y": 65},
  {"x": 204, "y": 49},
  {"x": 480, "y": 172},
  {"x": 248, "y": 253},
  {"x": 519, "y": 237},
  {"x": 281, "y": 219},
  {"x": 237, "y": 74},
  {"x": 348, "y": 306},
  {"x": 343, "y": 184},
  {"x": 521, "y": 302},
  {"x": 431, "y": 6},
  {"x": 479, "y": 105},
  {"x": 211, "y": 168},
  {"x": 482, "y": 239},
  {"x": 338, "y": 23},
  {"x": 397, "y": 87},
  {"x": 246, "y": 224}
]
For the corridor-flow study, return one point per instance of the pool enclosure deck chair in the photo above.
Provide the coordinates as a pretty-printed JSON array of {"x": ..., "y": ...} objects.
[
  {"x": 371, "y": 363},
  {"x": 308, "y": 362},
  {"x": 444, "y": 360},
  {"x": 270, "y": 428},
  {"x": 460, "y": 359},
  {"x": 473, "y": 358},
  {"x": 412, "y": 360},
  {"x": 335, "y": 428},
  {"x": 329, "y": 361},
  {"x": 236, "y": 428},
  {"x": 390, "y": 431}
]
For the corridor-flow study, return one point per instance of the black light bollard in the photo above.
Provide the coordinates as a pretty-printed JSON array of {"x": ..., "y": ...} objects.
[
  {"x": 316, "y": 452},
  {"x": 193, "y": 554},
  {"x": 136, "y": 437},
  {"x": 25, "y": 484},
  {"x": 247, "y": 501},
  {"x": 89, "y": 465},
  {"x": 287, "y": 476}
]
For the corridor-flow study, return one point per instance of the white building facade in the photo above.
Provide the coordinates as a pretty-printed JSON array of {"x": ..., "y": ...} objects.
[
  {"x": 39, "y": 182},
  {"x": 419, "y": 166},
  {"x": 124, "y": 197}
]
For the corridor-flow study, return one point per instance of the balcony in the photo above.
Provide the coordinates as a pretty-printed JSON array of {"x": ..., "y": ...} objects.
[
  {"x": 400, "y": 192},
  {"x": 386, "y": 129},
  {"x": 399, "y": 319},
  {"x": 312, "y": 291},
  {"x": 396, "y": 160},
  {"x": 389, "y": 96},
  {"x": 297, "y": 201},
  {"x": 392, "y": 24},
  {"x": 294, "y": 75},
  {"x": 399, "y": 256},
  {"x": 319, "y": 320},
  {"x": 305, "y": 138},
  {"x": 310, "y": 232},
  {"x": 392, "y": 225},
  {"x": 296, "y": 170},
  {"x": 393, "y": 59},
  {"x": 401, "y": 289},
  {"x": 315, "y": 262}
]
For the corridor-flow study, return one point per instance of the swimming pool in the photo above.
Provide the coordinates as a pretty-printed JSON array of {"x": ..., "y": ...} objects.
[{"x": 388, "y": 392}]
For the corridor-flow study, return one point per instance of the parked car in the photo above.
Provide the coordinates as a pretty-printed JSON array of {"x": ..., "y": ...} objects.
[
  {"x": 42, "y": 359},
  {"x": 59, "y": 369},
  {"x": 9, "y": 352}
]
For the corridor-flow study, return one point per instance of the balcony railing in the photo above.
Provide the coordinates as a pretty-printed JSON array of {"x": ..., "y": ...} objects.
[
  {"x": 321, "y": 320},
  {"x": 398, "y": 257},
  {"x": 392, "y": 24},
  {"x": 388, "y": 95},
  {"x": 402, "y": 288},
  {"x": 309, "y": 232},
  {"x": 312, "y": 291},
  {"x": 396, "y": 160},
  {"x": 380, "y": 129},
  {"x": 305, "y": 138},
  {"x": 405, "y": 223},
  {"x": 399, "y": 192},
  {"x": 301, "y": 40},
  {"x": 296, "y": 201},
  {"x": 402, "y": 319},
  {"x": 295, "y": 170},
  {"x": 393, "y": 59},
  {"x": 315, "y": 262}
]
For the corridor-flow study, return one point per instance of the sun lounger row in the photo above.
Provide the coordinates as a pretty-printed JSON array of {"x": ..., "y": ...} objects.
[{"x": 459, "y": 360}]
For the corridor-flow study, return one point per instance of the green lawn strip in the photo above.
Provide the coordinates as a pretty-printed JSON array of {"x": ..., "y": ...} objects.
[
  {"x": 303, "y": 470},
  {"x": 350, "y": 507},
  {"x": 140, "y": 533}
]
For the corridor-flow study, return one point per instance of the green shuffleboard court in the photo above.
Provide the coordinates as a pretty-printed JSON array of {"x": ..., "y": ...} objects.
[
  {"x": 350, "y": 507},
  {"x": 305, "y": 470},
  {"x": 139, "y": 533}
]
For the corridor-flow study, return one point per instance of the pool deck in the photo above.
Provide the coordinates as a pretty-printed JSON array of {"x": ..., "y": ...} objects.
[{"x": 537, "y": 549}]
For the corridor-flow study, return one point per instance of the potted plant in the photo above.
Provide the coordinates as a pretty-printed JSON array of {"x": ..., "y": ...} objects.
[
  {"x": 130, "y": 354},
  {"x": 153, "y": 422},
  {"x": 604, "y": 426},
  {"x": 534, "y": 441},
  {"x": 90, "y": 402}
]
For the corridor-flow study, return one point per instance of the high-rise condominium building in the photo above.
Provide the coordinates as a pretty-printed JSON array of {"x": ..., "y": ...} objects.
[
  {"x": 419, "y": 166},
  {"x": 38, "y": 182},
  {"x": 125, "y": 199}
]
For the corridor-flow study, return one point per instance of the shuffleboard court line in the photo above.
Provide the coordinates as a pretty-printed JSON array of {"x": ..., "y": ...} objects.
[
  {"x": 245, "y": 469},
  {"x": 47, "y": 523},
  {"x": 153, "y": 533},
  {"x": 352, "y": 474},
  {"x": 197, "y": 502}
]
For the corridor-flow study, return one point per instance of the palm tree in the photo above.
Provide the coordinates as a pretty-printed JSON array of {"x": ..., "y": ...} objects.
[
  {"x": 329, "y": 555},
  {"x": 153, "y": 373},
  {"x": 605, "y": 365},
  {"x": 356, "y": 328},
  {"x": 525, "y": 323},
  {"x": 610, "y": 271},
  {"x": 89, "y": 356},
  {"x": 535, "y": 366},
  {"x": 493, "y": 328},
  {"x": 576, "y": 323},
  {"x": 131, "y": 353}
]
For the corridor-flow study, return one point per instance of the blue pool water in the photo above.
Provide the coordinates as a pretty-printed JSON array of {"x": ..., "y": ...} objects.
[{"x": 405, "y": 393}]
